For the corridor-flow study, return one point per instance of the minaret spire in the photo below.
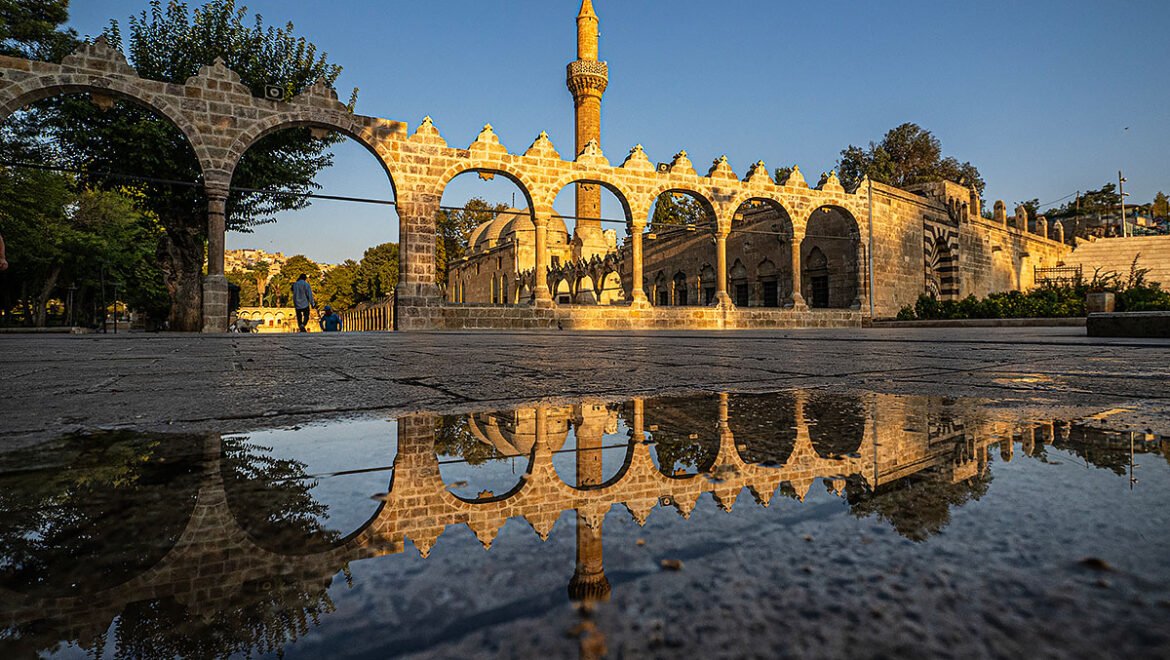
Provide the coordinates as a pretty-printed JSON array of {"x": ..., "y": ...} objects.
[{"x": 587, "y": 33}]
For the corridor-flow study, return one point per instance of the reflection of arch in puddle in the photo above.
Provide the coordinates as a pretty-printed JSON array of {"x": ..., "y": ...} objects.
[
  {"x": 484, "y": 456},
  {"x": 836, "y": 423},
  {"x": 598, "y": 452},
  {"x": 764, "y": 426},
  {"x": 685, "y": 434},
  {"x": 96, "y": 511},
  {"x": 308, "y": 489}
]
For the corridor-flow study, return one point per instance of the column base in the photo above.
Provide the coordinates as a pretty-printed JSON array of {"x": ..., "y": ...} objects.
[
  {"x": 723, "y": 301},
  {"x": 215, "y": 304},
  {"x": 798, "y": 304}
]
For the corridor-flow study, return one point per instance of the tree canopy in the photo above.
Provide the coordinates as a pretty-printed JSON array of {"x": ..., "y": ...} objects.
[
  {"x": 29, "y": 29},
  {"x": 908, "y": 154},
  {"x": 170, "y": 42},
  {"x": 678, "y": 210}
]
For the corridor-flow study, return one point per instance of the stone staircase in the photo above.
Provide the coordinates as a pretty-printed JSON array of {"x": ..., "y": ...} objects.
[{"x": 1117, "y": 254}]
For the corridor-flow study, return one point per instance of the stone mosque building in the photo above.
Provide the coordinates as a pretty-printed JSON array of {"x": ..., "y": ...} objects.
[{"x": 930, "y": 238}]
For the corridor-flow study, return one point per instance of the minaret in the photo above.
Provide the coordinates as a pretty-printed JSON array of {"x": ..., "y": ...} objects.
[{"x": 587, "y": 81}]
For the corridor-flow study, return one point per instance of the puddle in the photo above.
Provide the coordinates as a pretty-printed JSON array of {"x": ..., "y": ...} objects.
[{"x": 796, "y": 523}]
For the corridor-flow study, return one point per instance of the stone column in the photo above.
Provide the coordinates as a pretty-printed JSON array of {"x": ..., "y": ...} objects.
[
  {"x": 798, "y": 303},
  {"x": 1058, "y": 227},
  {"x": 215, "y": 284},
  {"x": 542, "y": 297},
  {"x": 638, "y": 423},
  {"x": 637, "y": 293},
  {"x": 861, "y": 302},
  {"x": 416, "y": 279},
  {"x": 722, "y": 299}
]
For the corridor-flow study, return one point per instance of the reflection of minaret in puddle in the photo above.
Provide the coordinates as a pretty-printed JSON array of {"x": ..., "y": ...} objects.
[{"x": 589, "y": 582}]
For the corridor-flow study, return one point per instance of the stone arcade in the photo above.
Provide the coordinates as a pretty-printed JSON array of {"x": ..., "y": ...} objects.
[{"x": 932, "y": 239}]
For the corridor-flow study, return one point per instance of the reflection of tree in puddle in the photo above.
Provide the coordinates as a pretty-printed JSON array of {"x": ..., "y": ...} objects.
[
  {"x": 1109, "y": 450},
  {"x": 764, "y": 426},
  {"x": 918, "y": 506},
  {"x": 685, "y": 433},
  {"x": 271, "y": 498},
  {"x": 263, "y": 617},
  {"x": 836, "y": 423},
  {"x": 118, "y": 498}
]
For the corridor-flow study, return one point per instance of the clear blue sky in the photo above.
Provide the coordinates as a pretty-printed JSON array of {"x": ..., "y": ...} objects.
[{"x": 1037, "y": 94}]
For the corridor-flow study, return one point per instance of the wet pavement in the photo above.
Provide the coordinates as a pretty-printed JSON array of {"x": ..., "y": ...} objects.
[
  {"x": 798, "y": 523},
  {"x": 878, "y": 493}
]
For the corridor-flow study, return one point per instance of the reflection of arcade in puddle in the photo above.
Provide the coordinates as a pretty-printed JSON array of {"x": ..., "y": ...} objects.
[{"x": 233, "y": 545}]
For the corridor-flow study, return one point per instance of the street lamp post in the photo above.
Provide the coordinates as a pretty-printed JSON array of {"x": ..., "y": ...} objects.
[{"x": 1121, "y": 180}]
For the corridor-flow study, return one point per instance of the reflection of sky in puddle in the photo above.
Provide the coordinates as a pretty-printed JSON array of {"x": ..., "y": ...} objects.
[
  {"x": 347, "y": 463},
  {"x": 862, "y": 491}
]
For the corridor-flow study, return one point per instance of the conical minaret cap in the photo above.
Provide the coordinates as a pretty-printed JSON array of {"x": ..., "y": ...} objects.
[{"x": 587, "y": 10}]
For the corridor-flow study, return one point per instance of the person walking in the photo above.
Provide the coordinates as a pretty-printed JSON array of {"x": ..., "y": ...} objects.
[
  {"x": 303, "y": 301},
  {"x": 331, "y": 322}
]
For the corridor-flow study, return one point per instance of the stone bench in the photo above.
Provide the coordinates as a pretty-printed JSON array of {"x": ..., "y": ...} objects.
[{"x": 1130, "y": 324}]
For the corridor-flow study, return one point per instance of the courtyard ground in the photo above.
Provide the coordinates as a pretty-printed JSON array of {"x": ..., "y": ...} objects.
[{"x": 58, "y": 384}]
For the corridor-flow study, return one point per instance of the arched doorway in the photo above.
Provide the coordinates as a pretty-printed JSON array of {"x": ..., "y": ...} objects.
[
  {"x": 487, "y": 240},
  {"x": 830, "y": 260},
  {"x": 761, "y": 234},
  {"x": 680, "y": 238},
  {"x": 598, "y": 247},
  {"x": 348, "y": 249},
  {"x": 942, "y": 276}
]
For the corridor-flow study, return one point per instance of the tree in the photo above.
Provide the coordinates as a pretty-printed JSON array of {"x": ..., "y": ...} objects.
[
  {"x": 908, "y": 154},
  {"x": 30, "y": 29},
  {"x": 1161, "y": 206},
  {"x": 781, "y": 174},
  {"x": 453, "y": 229},
  {"x": 170, "y": 43},
  {"x": 261, "y": 273},
  {"x": 377, "y": 274},
  {"x": 339, "y": 286},
  {"x": 291, "y": 271},
  {"x": 249, "y": 296},
  {"x": 678, "y": 210}
]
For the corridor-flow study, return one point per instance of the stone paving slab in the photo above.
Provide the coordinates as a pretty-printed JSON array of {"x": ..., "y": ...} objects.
[{"x": 56, "y": 384}]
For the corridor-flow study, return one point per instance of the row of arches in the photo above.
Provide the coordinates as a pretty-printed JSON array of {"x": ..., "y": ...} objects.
[{"x": 416, "y": 194}]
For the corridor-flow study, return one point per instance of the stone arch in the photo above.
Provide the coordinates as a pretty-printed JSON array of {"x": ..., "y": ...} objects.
[
  {"x": 765, "y": 223},
  {"x": 528, "y": 187},
  {"x": 704, "y": 199},
  {"x": 308, "y": 118},
  {"x": 45, "y": 87},
  {"x": 831, "y": 268},
  {"x": 610, "y": 183}
]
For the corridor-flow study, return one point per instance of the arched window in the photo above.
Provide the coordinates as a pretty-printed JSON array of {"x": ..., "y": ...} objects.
[{"x": 680, "y": 289}]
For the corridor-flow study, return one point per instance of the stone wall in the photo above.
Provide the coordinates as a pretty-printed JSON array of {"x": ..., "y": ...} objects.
[{"x": 1118, "y": 254}]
